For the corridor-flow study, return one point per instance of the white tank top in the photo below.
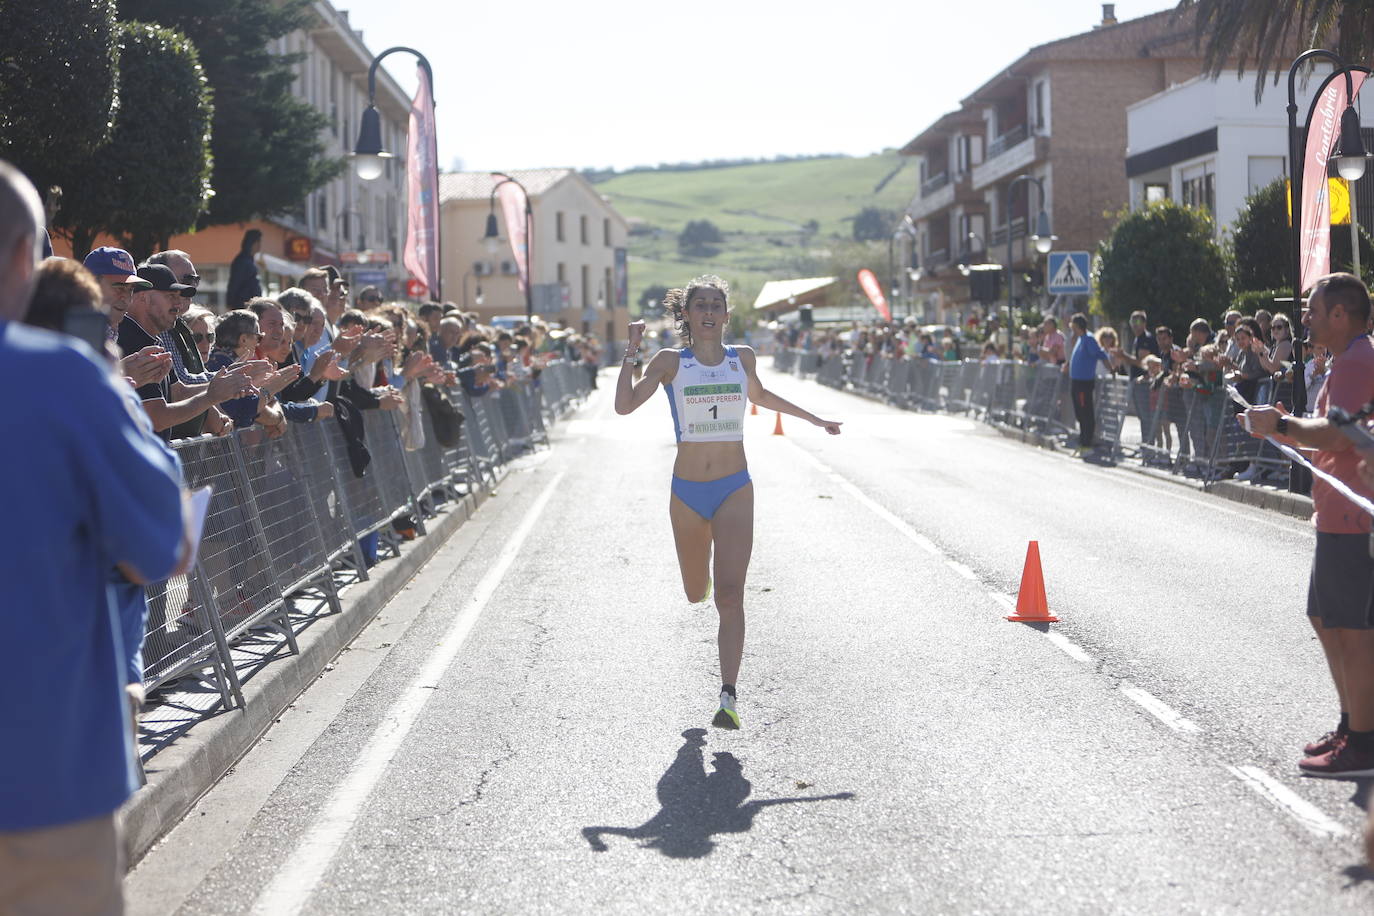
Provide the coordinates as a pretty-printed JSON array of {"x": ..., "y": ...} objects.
[{"x": 708, "y": 401}]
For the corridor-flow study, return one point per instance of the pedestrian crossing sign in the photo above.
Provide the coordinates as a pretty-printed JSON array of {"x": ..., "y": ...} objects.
[{"x": 1068, "y": 273}]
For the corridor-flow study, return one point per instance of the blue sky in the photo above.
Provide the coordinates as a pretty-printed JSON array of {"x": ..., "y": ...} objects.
[{"x": 631, "y": 82}]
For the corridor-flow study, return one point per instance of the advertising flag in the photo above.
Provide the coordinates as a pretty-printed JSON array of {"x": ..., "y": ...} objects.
[
  {"x": 874, "y": 291},
  {"x": 421, "y": 255},
  {"x": 1314, "y": 241},
  {"x": 514, "y": 206}
]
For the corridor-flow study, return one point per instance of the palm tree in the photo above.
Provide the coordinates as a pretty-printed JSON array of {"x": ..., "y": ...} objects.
[{"x": 1261, "y": 33}]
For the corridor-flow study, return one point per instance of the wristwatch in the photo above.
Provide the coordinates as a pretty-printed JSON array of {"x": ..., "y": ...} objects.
[{"x": 1281, "y": 427}]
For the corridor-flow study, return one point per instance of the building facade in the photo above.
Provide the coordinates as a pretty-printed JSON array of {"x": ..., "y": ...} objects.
[
  {"x": 1210, "y": 144},
  {"x": 1058, "y": 114},
  {"x": 578, "y": 260}
]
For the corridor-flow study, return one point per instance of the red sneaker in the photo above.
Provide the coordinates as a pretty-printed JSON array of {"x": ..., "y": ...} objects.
[
  {"x": 1342, "y": 762},
  {"x": 1322, "y": 745}
]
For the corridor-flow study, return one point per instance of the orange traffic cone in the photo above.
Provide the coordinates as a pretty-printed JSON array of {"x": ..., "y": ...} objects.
[
  {"x": 777, "y": 427},
  {"x": 753, "y": 409},
  {"x": 1031, "y": 606}
]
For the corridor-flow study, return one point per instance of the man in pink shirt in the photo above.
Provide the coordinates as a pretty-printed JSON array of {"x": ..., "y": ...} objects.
[
  {"x": 1052, "y": 344},
  {"x": 1342, "y": 581}
]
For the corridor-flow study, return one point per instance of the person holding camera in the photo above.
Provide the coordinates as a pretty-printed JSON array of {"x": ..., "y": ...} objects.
[{"x": 1342, "y": 580}]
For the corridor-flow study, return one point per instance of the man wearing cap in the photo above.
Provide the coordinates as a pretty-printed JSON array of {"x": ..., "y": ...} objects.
[
  {"x": 151, "y": 312},
  {"x": 186, "y": 359},
  {"x": 114, "y": 270}
]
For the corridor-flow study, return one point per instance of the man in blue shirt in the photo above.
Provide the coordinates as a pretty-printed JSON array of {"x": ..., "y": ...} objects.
[
  {"x": 96, "y": 491},
  {"x": 1087, "y": 353}
]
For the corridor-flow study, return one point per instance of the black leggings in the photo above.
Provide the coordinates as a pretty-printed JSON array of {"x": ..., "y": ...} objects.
[{"x": 1083, "y": 409}]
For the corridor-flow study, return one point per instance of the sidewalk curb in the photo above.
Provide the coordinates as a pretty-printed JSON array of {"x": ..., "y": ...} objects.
[
  {"x": 1280, "y": 501},
  {"x": 179, "y": 775}
]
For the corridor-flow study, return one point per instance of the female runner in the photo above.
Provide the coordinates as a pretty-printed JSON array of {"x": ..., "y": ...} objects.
[{"x": 712, "y": 498}]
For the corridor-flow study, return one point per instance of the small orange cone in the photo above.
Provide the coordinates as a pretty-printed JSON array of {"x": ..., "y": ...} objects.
[
  {"x": 1031, "y": 606},
  {"x": 777, "y": 427},
  {"x": 753, "y": 409}
]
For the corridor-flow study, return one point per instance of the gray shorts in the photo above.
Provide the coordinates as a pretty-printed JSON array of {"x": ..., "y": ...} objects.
[{"x": 1342, "y": 582}]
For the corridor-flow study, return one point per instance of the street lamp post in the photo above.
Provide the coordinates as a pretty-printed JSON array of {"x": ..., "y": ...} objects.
[
  {"x": 1041, "y": 238},
  {"x": 493, "y": 238},
  {"x": 906, "y": 229},
  {"x": 1350, "y": 163},
  {"x": 369, "y": 157}
]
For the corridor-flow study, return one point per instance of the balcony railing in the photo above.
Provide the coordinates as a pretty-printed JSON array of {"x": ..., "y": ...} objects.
[
  {"x": 1006, "y": 141},
  {"x": 1018, "y": 229},
  {"x": 934, "y": 183}
]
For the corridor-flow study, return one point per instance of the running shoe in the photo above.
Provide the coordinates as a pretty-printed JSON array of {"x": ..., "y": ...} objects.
[
  {"x": 1342, "y": 762},
  {"x": 1322, "y": 745},
  {"x": 726, "y": 717}
]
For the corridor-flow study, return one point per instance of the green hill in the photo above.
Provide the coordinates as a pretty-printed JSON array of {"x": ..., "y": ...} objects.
[{"x": 778, "y": 219}]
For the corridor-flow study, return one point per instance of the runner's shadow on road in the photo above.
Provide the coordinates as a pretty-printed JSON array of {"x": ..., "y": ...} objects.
[{"x": 695, "y": 805}]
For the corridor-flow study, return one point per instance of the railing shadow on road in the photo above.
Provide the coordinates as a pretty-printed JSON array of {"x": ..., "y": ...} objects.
[{"x": 696, "y": 805}]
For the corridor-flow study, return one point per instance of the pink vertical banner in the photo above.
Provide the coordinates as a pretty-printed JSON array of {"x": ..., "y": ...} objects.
[
  {"x": 514, "y": 206},
  {"x": 421, "y": 256},
  {"x": 874, "y": 290},
  {"x": 1314, "y": 240}
]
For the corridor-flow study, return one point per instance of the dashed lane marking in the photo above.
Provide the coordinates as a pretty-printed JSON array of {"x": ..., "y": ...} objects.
[
  {"x": 301, "y": 871},
  {"x": 1304, "y": 812},
  {"x": 962, "y": 570},
  {"x": 1069, "y": 647},
  {"x": 1301, "y": 810},
  {"x": 1161, "y": 710}
]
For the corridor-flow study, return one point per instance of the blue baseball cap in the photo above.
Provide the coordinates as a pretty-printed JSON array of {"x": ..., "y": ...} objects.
[{"x": 115, "y": 262}]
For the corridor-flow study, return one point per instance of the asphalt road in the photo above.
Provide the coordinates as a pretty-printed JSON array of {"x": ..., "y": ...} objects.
[{"x": 525, "y": 729}]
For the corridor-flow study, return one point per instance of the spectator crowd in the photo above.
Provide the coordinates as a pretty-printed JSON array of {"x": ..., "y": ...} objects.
[
  {"x": 130, "y": 365},
  {"x": 1253, "y": 353}
]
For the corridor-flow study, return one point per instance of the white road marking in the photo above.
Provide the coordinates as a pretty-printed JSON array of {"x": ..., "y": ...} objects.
[
  {"x": 1161, "y": 710},
  {"x": 303, "y": 868},
  {"x": 911, "y": 534},
  {"x": 1303, "y": 811},
  {"x": 1070, "y": 648},
  {"x": 1307, "y": 814},
  {"x": 962, "y": 570}
]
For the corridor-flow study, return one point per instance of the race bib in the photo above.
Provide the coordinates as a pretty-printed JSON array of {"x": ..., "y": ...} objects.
[{"x": 713, "y": 410}]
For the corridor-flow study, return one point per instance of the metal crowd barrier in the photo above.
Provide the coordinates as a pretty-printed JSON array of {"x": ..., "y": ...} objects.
[
  {"x": 1182, "y": 430},
  {"x": 286, "y": 512}
]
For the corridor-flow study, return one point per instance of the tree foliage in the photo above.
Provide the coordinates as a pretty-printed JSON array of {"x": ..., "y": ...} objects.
[
  {"x": 58, "y": 84},
  {"x": 698, "y": 238},
  {"x": 1261, "y": 244},
  {"x": 1260, "y": 240},
  {"x": 654, "y": 295},
  {"x": 266, "y": 142},
  {"x": 1243, "y": 33},
  {"x": 874, "y": 224},
  {"x": 1164, "y": 260},
  {"x": 152, "y": 179}
]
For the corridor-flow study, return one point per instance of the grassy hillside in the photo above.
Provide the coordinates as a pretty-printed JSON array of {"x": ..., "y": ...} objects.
[{"x": 762, "y": 209}]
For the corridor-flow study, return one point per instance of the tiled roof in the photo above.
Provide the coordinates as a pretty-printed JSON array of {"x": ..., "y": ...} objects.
[
  {"x": 1169, "y": 33},
  {"x": 478, "y": 185}
]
